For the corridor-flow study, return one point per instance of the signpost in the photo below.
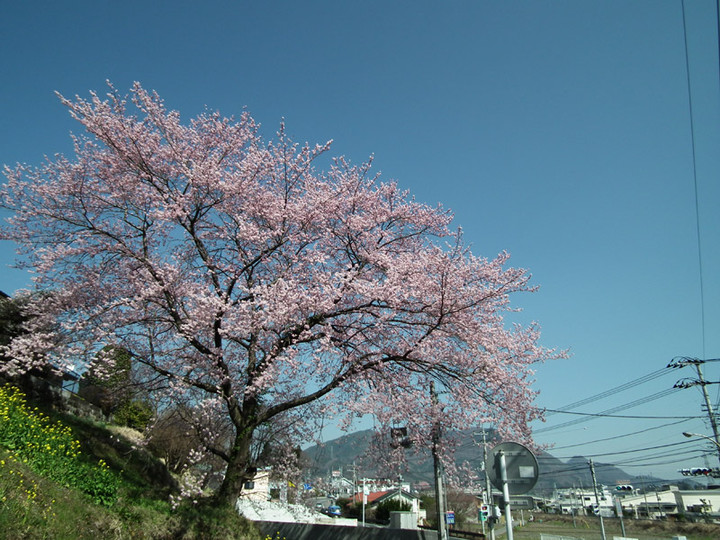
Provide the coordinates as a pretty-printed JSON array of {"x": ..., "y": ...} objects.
[{"x": 514, "y": 471}]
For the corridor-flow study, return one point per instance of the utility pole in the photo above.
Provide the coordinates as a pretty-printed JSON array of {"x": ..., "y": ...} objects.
[
  {"x": 597, "y": 498},
  {"x": 488, "y": 489},
  {"x": 364, "y": 499},
  {"x": 711, "y": 414},
  {"x": 438, "y": 466},
  {"x": 354, "y": 480},
  {"x": 619, "y": 509},
  {"x": 682, "y": 361}
]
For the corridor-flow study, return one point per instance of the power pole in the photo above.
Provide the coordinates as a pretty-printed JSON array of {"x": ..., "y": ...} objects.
[
  {"x": 354, "y": 480},
  {"x": 711, "y": 414},
  {"x": 597, "y": 498},
  {"x": 619, "y": 509},
  {"x": 488, "y": 489},
  {"x": 438, "y": 466},
  {"x": 364, "y": 498},
  {"x": 682, "y": 361}
]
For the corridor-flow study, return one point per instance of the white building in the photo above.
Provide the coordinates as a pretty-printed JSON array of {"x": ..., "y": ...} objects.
[
  {"x": 258, "y": 489},
  {"x": 582, "y": 501},
  {"x": 658, "y": 504},
  {"x": 340, "y": 486}
]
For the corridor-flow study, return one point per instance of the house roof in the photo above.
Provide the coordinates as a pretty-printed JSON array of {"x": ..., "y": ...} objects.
[
  {"x": 380, "y": 496},
  {"x": 371, "y": 498},
  {"x": 391, "y": 494}
]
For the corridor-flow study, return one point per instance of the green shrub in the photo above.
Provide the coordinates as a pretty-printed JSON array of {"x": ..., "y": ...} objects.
[
  {"x": 382, "y": 510},
  {"x": 135, "y": 414},
  {"x": 350, "y": 509}
]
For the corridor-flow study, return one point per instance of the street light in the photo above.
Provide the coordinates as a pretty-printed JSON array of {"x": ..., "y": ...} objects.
[
  {"x": 689, "y": 434},
  {"x": 715, "y": 473}
]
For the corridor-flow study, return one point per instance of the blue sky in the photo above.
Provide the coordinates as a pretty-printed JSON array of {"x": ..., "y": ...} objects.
[{"x": 556, "y": 130}]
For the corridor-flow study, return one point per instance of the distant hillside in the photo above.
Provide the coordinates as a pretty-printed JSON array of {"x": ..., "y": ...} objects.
[{"x": 341, "y": 453}]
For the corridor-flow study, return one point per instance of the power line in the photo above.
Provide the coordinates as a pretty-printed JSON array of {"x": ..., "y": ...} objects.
[
  {"x": 653, "y": 464},
  {"x": 601, "y": 415},
  {"x": 635, "y": 450},
  {"x": 640, "y": 461},
  {"x": 619, "y": 436},
  {"x": 677, "y": 457},
  {"x": 695, "y": 182},
  {"x": 609, "y": 412},
  {"x": 631, "y": 384}
]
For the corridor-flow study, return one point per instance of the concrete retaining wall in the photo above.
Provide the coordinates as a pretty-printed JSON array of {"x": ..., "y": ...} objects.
[{"x": 303, "y": 531}]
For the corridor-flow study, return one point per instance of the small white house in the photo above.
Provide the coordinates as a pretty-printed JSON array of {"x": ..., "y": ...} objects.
[
  {"x": 257, "y": 489},
  {"x": 341, "y": 487},
  {"x": 582, "y": 501},
  {"x": 378, "y": 497}
]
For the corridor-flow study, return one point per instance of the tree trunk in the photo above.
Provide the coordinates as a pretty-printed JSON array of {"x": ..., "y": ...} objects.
[{"x": 238, "y": 469}]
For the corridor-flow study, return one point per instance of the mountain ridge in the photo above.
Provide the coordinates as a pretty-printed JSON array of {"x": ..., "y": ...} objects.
[{"x": 348, "y": 451}]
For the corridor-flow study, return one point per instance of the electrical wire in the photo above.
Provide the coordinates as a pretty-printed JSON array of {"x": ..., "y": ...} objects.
[
  {"x": 639, "y": 461},
  {"x": 695, "y": 182},
  {"x": 608, "y": 412},
  {"x": 631, "y": 384},
  {"x": 618, "y": 436},
  {"x": 641, "y": 417},
  {"x": 677, "y": 457},
  {"x": 645, "y": 449}
]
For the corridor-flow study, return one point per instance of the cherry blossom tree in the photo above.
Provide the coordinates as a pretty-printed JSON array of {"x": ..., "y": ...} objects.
[{"x": 258, "y": 287}]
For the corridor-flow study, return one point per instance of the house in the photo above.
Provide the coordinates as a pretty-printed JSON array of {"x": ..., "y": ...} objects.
[
  {"x": 339, "y": 486},
  {"x": 401, "y": 496},
  {"x": 658, "y": 504},
  {"x": 378, "y": 497},
  {"x": 582, "y": 501},
  {"x": 371, "y": 497},
  {"x": 257, "y": 489}
]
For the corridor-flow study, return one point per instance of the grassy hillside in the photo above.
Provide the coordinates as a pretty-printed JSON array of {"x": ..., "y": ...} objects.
[{"x": 63, "y": 477}]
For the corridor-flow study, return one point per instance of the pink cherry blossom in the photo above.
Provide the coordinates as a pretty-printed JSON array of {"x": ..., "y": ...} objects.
[{"x": 257, "y": 287}]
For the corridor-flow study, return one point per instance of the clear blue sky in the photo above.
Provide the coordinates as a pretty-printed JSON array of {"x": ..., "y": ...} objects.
[{"x": 556, "y": 130}]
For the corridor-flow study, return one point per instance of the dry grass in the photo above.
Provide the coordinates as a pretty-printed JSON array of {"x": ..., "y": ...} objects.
[
  {"x": 588, "y": 528},
  {"x": 132, "y": 435}
]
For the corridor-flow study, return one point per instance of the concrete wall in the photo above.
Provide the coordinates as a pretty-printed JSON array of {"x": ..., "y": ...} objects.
[
  {"x": 301, "y": 531},
  {"x": 404, "y": 520},
  {"x": 57, "y": 397}
]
